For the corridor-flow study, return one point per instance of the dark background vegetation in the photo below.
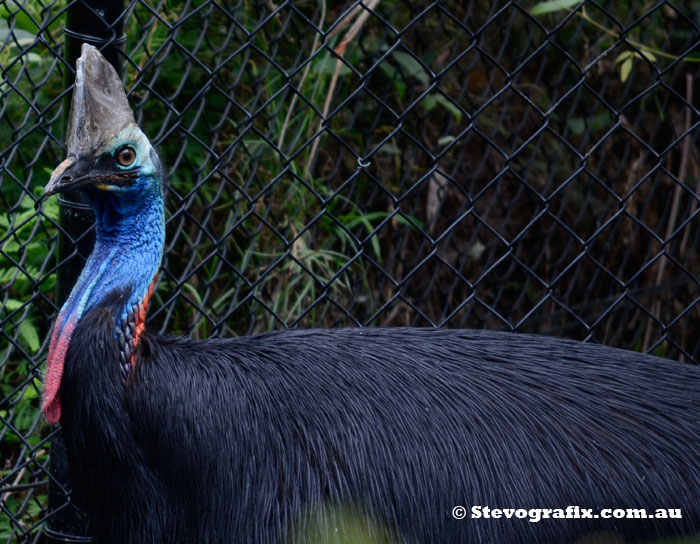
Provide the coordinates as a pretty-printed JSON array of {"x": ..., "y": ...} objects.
[{"x": 528, "y": 166}]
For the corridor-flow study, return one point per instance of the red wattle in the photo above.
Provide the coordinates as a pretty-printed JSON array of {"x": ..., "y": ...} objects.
[
  {"x": 140, "y": 319},
  {"x": 60, "y": 338}
]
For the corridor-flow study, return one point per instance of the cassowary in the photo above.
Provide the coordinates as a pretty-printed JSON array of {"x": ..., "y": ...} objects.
[{"x": 306, "y": 435}]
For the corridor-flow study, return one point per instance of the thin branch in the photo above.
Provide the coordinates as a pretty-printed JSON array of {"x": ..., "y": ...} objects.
[
  {"x": 340, "y": 51},
  {"x": 639, "y": 45}
]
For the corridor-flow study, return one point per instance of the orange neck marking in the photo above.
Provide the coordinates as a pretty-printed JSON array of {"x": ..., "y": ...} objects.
[{"x": 140, "y": 320}]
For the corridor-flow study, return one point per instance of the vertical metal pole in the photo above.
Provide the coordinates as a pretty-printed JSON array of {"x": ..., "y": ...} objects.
[{"x": 99, "y": 23}]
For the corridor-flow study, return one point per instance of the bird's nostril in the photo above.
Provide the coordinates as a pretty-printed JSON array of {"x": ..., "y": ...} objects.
[{"x": 66, "y": 179}]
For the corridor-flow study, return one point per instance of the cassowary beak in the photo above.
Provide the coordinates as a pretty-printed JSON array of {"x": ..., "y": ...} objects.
[
  {"x": 70, "y": 175},
  {"x": 60, "y": 179},
  {"x": 99, "y": 111}
]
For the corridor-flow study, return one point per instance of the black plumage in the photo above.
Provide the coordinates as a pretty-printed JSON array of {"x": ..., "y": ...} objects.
[{"x": 238, "y": 440}]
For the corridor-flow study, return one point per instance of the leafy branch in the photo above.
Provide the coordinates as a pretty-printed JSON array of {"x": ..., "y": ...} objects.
[{"x": 626, "y": 58}]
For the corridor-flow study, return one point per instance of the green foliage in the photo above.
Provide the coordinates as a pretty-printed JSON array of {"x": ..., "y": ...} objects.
[
  {"x": 626, "y": 58},
  {"x": 25, "y": 237},
  {"x": 288, "y": 273},
  {"x": 645, "y": 50},
  {"x": 23, "y": 245}
]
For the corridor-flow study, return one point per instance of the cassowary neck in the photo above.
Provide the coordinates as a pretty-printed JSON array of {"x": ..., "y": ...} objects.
[
  {"x": 119, "y": 273},
  {"x": 128, "y": 248}
]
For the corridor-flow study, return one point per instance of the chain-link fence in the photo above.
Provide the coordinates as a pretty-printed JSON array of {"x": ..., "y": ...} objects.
[{"x": 529, "y": 166}]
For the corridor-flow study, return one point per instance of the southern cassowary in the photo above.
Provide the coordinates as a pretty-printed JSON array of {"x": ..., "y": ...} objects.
[{"x": 305, "y": 435}]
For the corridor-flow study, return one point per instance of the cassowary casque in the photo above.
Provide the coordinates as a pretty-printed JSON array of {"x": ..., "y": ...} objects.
[{"x": 316, "y": 435}]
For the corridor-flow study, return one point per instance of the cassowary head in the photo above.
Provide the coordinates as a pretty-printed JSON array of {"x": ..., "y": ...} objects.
[
  {"x": 112, "y": 163},
  {"x": 109, "y": 158}
]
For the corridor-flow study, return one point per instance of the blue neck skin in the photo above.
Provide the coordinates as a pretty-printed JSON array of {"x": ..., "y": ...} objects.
[{"x": 126, "y": 257}]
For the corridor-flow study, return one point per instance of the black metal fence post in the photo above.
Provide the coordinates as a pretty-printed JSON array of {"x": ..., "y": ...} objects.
[{"x": 99, "y": 23}]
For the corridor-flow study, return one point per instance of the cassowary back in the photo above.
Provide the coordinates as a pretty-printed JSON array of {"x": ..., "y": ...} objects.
[{"x": 255, "y": 439}]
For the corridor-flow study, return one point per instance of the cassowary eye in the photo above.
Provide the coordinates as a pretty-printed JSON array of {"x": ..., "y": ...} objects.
[{"x": 126, "y": 156}]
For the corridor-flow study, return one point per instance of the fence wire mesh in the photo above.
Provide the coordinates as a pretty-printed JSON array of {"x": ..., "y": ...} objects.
[{"x": 528, "y": 166}]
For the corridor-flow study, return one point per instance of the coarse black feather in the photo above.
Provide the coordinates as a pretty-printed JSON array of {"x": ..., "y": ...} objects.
[{"x": 253, "y": 439}]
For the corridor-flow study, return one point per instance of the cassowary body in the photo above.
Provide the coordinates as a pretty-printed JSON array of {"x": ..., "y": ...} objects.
[
  {"x": 286, "y": 436},
  {"x": 235, "y": 440}
]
